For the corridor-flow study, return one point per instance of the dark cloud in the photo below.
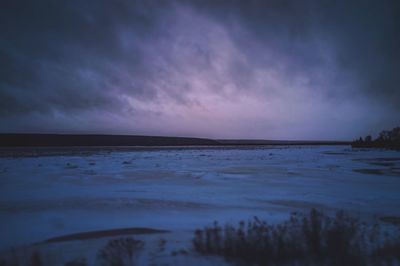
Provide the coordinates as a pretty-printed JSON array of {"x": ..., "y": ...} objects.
[
  {"x": 328, "y": 69},
  {"x": 362, "y": 34}
]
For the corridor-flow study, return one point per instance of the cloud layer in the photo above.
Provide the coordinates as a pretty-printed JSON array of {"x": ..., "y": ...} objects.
[{"x": 222, "y": 69}]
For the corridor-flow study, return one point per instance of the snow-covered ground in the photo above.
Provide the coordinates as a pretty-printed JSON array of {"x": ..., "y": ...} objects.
[{"x": 179, "y": 190}]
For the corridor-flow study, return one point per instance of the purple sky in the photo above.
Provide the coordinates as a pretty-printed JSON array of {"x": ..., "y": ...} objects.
[{"x": 219, "y": 69}]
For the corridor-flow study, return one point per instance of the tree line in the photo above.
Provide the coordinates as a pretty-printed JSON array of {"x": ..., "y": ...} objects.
[{"x": 389, "y": 139}]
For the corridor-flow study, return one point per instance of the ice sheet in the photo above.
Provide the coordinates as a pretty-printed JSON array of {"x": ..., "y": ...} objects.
[{"x": 180, "y": 190}]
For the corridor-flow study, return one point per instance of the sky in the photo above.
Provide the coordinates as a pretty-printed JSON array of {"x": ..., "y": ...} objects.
[{"x": 272, "y": 69}]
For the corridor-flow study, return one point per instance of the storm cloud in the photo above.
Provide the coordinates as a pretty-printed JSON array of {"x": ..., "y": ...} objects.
[{"x": 221, "y": 69}]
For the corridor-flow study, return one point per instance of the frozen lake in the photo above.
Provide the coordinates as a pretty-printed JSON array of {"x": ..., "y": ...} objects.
[{"x": 179, "y": 190}]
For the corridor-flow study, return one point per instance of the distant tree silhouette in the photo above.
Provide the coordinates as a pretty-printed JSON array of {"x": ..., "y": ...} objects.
[{"x": 388, "y": 139}]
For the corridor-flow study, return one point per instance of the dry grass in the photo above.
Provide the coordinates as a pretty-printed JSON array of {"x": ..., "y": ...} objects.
[{"x": 312, "y": 239}]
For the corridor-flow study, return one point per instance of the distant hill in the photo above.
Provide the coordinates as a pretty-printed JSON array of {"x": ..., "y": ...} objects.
[
  {"x": 53, "y": 140},
  {"x": 279, "y": 142},
  {"x": 96, "y": 140}
]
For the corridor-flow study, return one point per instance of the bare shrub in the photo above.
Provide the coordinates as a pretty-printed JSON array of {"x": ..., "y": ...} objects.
[
  {"x": 312, "y": 239},
  {"x": 36, "y": 259},
  {"x": 120, "y": 252},
  {"x": 76, "y": 262}
]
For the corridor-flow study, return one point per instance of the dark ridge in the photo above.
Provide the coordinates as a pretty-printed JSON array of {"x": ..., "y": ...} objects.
[
  {"x": 280, "y": 142},
  {"x": 95, "y": 140},
  {"x": 53, "y": 140},
  {"x": 105, "y": 233}
]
